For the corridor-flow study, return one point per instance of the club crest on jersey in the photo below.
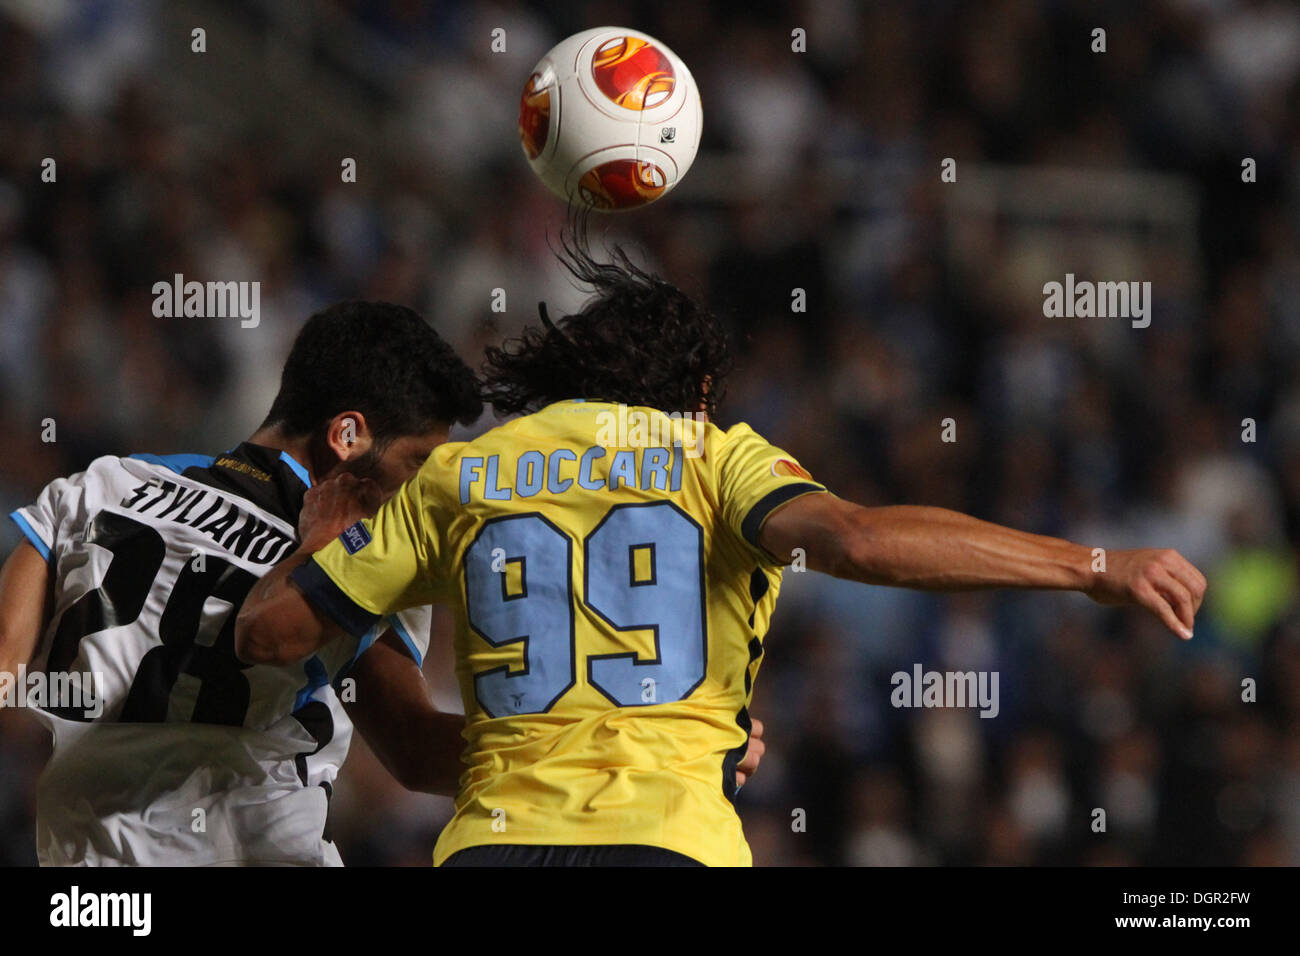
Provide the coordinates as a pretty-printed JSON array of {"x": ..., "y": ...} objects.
[
  {"x": 785, "y": 468},
  {"x": 355, "y": 538}
]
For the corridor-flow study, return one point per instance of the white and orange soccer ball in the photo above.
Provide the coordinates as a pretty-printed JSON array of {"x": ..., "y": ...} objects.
[{"x": 610, "y": 117}]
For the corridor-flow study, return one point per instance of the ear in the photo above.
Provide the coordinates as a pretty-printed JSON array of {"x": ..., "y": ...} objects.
[{"x": 348, "y": 435}]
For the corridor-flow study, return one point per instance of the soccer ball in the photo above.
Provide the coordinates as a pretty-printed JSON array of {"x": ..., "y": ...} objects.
[{"x": 610, "y": 117}]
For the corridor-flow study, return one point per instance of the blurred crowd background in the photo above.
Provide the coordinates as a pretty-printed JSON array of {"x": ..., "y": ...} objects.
[{"x": 819, "y": 171}]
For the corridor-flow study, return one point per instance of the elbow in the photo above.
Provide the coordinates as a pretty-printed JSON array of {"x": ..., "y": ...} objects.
[
  {"x": 414, "y": 774},
  {"x": 438, "y": 785},
  {"x": 446, "y": 782},
  {"x": 857, "y": 556},
  {"x": 407, "y": 778},
  {"x": 857, "y": 562},
  {"x": 847, "y": 547}
]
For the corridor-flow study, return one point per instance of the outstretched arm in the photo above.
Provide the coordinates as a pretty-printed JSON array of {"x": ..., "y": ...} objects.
[{"x": 942, "y": 550}]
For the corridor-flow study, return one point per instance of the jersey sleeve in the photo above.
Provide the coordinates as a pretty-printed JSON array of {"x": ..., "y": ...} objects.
[
  {"x": 412, "y": 627},
  {"x": 55, "y": 509},
  {"x": 754, "y": 479},
  {"x": 381, "y": 566}
]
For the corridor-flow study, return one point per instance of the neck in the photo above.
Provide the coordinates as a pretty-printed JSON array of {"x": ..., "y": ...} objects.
[{"x": 299, "y": 447}]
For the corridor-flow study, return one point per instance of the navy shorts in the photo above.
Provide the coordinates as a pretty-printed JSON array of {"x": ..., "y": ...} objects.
[{"x": 515, "y": 854}]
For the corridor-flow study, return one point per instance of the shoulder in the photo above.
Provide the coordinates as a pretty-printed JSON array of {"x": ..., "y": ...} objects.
[
  {"x": 111, "y": 470},
  {"x": 739, "y": 441}
]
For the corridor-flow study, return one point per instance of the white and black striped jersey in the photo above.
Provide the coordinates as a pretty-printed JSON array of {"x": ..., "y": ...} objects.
[{"x": 182, "y": 755}]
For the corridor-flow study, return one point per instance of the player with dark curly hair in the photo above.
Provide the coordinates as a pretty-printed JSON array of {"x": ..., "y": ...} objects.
[
  {"x": 614, "y": 561},
  {"x": 639, "y": 341}
]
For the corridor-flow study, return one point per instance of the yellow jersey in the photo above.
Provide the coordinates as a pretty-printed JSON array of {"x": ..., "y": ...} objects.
[{"x": 611, "y": 600}]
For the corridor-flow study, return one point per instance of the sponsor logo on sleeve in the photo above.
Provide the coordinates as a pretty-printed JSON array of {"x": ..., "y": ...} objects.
[
  {"x": 785, "y": 468},
  {"x": 355, "y": 538}
]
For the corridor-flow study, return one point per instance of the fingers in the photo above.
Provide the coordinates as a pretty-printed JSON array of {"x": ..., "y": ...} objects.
[
  {"x": 348, "y": 488},
  {"x": 753, "y": 754},
  {"x": 1187, "y": 574},
  {"x": 1179, "y": 586},
  {"x": 369, "y": 497},
  {"x": 1179, "y": 597},
  {"x": 1149, "y": 597},
  {"x": 1167, "y": 585},
  {"x": 333, "y": 505}
]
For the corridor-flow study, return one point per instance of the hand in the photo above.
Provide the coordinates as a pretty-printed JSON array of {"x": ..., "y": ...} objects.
[
  {"x": 333, "y": 506},
  {"x": 1162, "y": 581},
  {"x": 753, "y": 754}
]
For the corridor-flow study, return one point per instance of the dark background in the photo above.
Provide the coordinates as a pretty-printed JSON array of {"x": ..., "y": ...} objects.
[{"x": 818, "y": 171}]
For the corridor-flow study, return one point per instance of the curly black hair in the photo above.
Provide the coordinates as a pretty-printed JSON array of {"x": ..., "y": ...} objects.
[
  {"x": 639, "y": 341},
  {"x": 381, "y": 359}
]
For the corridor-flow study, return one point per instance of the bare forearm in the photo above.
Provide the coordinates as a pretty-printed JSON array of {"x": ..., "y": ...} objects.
[
  {"x": 418, "y": 744},
  {"x": 441, "y": 764},
  {"x": 426, "y": 757},
  {"x": 941, "y": 550},
  {"x": 938, "y": 549},
  {"x": 935, "y": 548}
]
